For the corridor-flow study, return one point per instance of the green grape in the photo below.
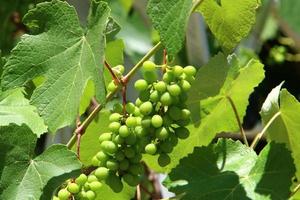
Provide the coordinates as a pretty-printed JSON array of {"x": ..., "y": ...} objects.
[
  {"x": 138, "y": 102},
  {"x": 102, "y": 156},
  {"x": 164, "y": 160},
  {"x": 96, "y": 186},
  {"x": 120, "y": 68},
  {"x": 185, "y": 85},
  {"x": 144, "y": 95},
  {"x": 174, "y": 90},
  {"x": 190, "y": 70},
  {"x": 109, "y": 147},
  {"x": 160, "y": 86},
  {"x": 95, "y": 161},
  {"x": 166, "y": 99},
  {"x": 130, "y": 180},
  {"x": 112, "y": 164},
  {"x": 162, "y": 133},
  {"x": 120, "y": 155},
  {"x": 182, "y": 132},
  {"x": 150, "y": 76},
  {"x": 104, "y": 137},
  {"x": 73, "y": 188},
  {"x": 136, "y": 159},
  {"x": 118, "y": 108},
  {"x": 141, "y": 85},
  {"x": 167, "y": 121},
  {"x": 155, "y": 96},
  {"x": 148, "y": 66},
  {"x": 91, "y": 178},
  {"x": 140, "y": 132},
  {"x": 112, "y": 86},
  {"x": 82, "y": 195},
  {"x": 136, "y": 112},
  {"x": 175, "y": 113},
  {"x": 86, "y": 186},
  {"x": 157, "y": 121},
  {"x": 146, "y": 108},
  {"x": 131, "y": 122},
  {"x": 146, "y": 122},
  {"x": 114, "y": 126},
  {"x": 131, "y": 139},
  {"x": 115, "y": 117},
  {"x": 81, "y": 179},
  {"x": 101, "y": 173},
  {"x": 129, "y": 152},
  {"x": 185, "y": 113},
  {"x": 151, "y": 149},
  {"x": 124, "y": 131},
  {"x": 168, "y": 77},
  {"x": 119, "y": 139},
  {"x": 63, "y": 194},
  {"x": 55, "y": 198},
  {"x": 130, "y": 108},
  {"x": 115, "y": 183},
  {"x": 177, "y": 71},
  {"x": 90, "y": 195},
  {"x": 166, "y": 147},
  {"x": 136, "y": 169},
  {"x": 124, "y": 164}
]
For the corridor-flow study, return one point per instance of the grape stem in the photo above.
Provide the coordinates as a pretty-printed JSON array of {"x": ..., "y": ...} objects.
[
  {"x": 81, "y": 129},
  {"x": 295, "y": 190},
  {"x": 243, "y": 134},
  {"x": 78, "y": 123},
  {"x": 124, "y": 88},
  {"x": 138, "y": 192},
  {"x": 114, "y": 76},
  {"x": 260, "y": 135}
]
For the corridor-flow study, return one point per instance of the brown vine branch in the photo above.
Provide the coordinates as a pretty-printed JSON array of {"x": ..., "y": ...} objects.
[
  {"x": 114, "y": 76},
  {"x": 78, "y": 123},
  {"x": 124, "y": 100},
  {"x": 243, "y": 134}
]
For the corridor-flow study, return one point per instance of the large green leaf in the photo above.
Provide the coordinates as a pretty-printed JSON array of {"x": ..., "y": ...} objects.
[
  {"x": 289, "y": 11},
  {"x": 230, "y": 170},
  {"x": 211, "y": 110},
  {"x": 169, "y": 18},
  {"x": 65, "y": 54},
  {"x": 285, "y": 128},
  {"x": 106, "y": 193},
  {"x": 15, "y": 108},
  {"x": 229, "y": 20},
  {"x": 26, "y": 177}
]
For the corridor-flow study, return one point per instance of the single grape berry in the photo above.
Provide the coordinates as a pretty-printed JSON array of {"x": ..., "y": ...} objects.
[
  {"x": 111, "y": 86},
  {"x": 141, "y": 85},
  {"x": 160, "y": 86},
  {"x": 101, "y": 156},
  {"x": 101, "y": 173},
  {"x": 150, "y": 149},
  {"x": 182, "y": 132},
  {"x": 157, "y": 121},
  {"x": 164, "y": 160},
  {"x": 114, "y": 117},
  {"x": 148, "y": 66},
  {"x": 177, "y": 70},
  {"x": 146, "y": 108},
  {"x": 162, "y": 133},
  {"x": 190, "y": 70},
  {"x": 81, "y": 179},
  {"x": 73, "y": 188},
  {"x": 115, "y": 183},
  {"x": 166, "y": 99},
  {"x": 90, "y": 195},
  {"x": 130, "y": 180},
  {"x": 109, "y": 147},
  {"x": 63, "y": 194},
  {"x": 124, "y": 164},
  {"x": 131, "y": 122},
  {"x": 168, "y": 77},
  {"x": 112, "y": 164},
  {"x": 95, "y": 186},
  {"x": 174, "y": 90},
  {"x": 130, "y": 108},
  {"x": 124, "y": 131},
  {"x": 155, "y": 96},
  {"x": 114, "y": 126},
  {"x": 104, "y": 137},
  {"x": 92, "y": 178},
  {"x": 185, "y": 85}
]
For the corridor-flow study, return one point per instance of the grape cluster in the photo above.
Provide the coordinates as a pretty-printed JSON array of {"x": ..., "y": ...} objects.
[{"x": 162, "y": 105}]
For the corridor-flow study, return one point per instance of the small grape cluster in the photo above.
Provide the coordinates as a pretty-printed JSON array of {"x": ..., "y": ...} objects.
[{"x": 162, "y": 105}]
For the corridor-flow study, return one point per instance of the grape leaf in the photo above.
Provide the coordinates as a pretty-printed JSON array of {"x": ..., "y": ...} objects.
[
  {"x": 105, "y": 193},
  {"x": 285, "y": 128},
  {"x": 229, "y": 20},
  {"x": 15, "y": 108},
  {"x": 66, "y": 55},
  {"x": 24, "y": 176},
  {"x": 169, "y": 18},
  {"x": 230, "y": 170},
  {"x": 210, "y": 107}
]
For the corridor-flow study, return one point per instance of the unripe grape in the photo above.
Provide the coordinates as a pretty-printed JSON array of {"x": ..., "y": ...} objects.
[
  {"x": 120, "y": 68},
  {"x": 129, "y": 152},
  {"x": 175, "y": 113},
  {"x": 111, "y": 86},
  {"x": 160, "y": 86},
  {"x": 119, "y": 139},
  {"x": 92, "y": 178},
  {"x": 136, "y": 159},
  {"x": 177, "y": 70},
  {"x": 130, "y": 180},
  {"x": 96, "y": 186},
  {"x": 136, "y": 112},
  {"x": 144, "y": 95},
  {"x": 146, "y": 108},
  {"x": 138, "y": 102},
  {"x": 154, "y": 96},
  {"x": 131, "y": 122},
  {"x": 166, "y": 99},
  {"x": 148, "y": 66},
  {"x": 124, "y": 131},
  {"x": 82, "y": 194},
  {"x": 190, "y": 70},
  {"x": 104, "y": 137},
  {"x": 55, "y": 198},
  {"x": 162, "y": 133},
  {"x": 90, "y": 195},
  {"x": 112, "y": 164},
  {"x": 136, "y": 169},
  {"x": 174, "y": 90},
  {"x": 140, "y": 132},
  {"x": 109, "y": 147},
  {"x": 114, "y": 117},
  {"x": 150, "y": 149},
  {"x": 63, "y": 194},
  {"x": 115, "y": 183},
  {"x": 114, "y": 126},
  {"x": 131, "y": 139},
  {"x": 182, "y": 132},
  {"x": 118, "y": 108},
  {"x": 146, "y": 122},
  {"x": 168, "y": 77},
  {"x": 130, "y": 107},
  {"x": 120, "y": 155},
  {"x": 150, "y": 76},
  {"x": 124, "y": 164},
  {"x": 101, "y": 156},
  {"x": 185, "y": 113},
  {"x": 101, "y": 173},
  {"x": 164, "y": 160},
  {"x": 157, "y": 121},
  {"x": 141, "y": 85},
  {"x": 95, "y": 161},
  {"x": 81, "y": 179},
  {"x": 185, "y": 85},
  {"x": 73, "y": 188}
]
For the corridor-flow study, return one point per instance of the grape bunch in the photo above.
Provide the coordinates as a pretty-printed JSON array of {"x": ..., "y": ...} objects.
[{"x": 163, "y": 110}]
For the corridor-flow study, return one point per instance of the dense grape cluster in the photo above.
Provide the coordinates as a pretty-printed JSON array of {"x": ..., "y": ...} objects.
[{"x": 151, "y": 125}]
